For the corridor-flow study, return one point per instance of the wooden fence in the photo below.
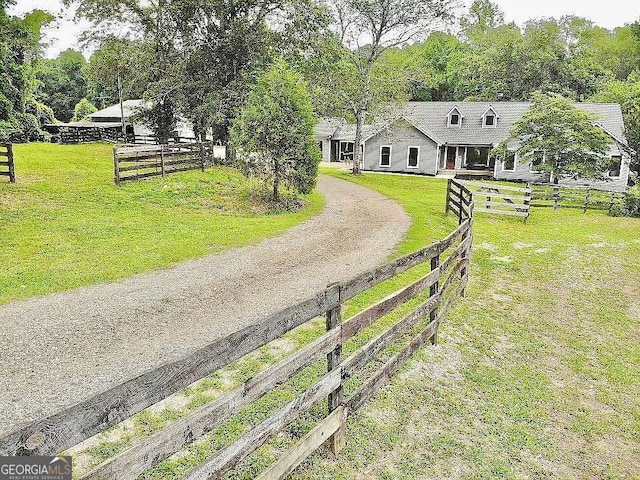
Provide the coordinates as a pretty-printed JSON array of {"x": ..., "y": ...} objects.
[
  {"x": 7, "y": 167},
  {"x": 73, "y": 135},
  {"x": 575, "y": 197},
  {"x": 496, "y": 199},
  {"x": 443, "y": 277},
  {"x": 137, "y": 162}
]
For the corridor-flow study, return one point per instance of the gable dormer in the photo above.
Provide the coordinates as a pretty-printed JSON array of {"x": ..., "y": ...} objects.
[
  {"x": 454, "y": 118},
  {"x": 490, "y": 118}
]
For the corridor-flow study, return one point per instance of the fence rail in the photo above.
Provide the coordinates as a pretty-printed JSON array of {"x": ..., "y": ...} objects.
[
  {"x": 497, "y": 199},
  {"x": 459, "y": 200},
  {"x": 7, "y": 167},
  {"x": 584, "y": 198},
  {"x": 133, "y": 162},
  {"x": 438, "y": 287}
]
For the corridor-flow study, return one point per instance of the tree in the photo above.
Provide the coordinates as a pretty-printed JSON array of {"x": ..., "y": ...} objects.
[
  {"x": 627, "y": 94},
  {"x": 116, "y": 72},
  {"x": 20, "y": 45},
  {"x": 154, "y": 22},
  {"x": 366, "y": 29},
  {"x": 274, "y": 133},
  {"x": 432, "y": 66},
  {"x": 61, "y": 82},
  {"x": 83, "y": 109},
  {"x": 560, "y": 138},
  {"x": 483, "y": 15}
]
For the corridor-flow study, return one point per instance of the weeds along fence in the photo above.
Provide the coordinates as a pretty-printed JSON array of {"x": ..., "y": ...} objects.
[
  {"x": 7, "y": 165},
  {"x": 584, "y": 198},
  {"x": 442, "y": 272},
  {"x": 136, "y": 162}
]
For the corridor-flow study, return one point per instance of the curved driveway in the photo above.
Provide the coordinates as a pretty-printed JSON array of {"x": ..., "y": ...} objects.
[{"x": 61, "y": 348}]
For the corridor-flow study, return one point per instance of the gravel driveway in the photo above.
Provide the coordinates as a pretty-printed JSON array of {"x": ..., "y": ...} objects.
[{"x": 61, "y": 348}]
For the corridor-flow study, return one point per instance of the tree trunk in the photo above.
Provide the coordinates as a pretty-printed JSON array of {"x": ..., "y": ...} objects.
[
  {"x": 357, "y": 152},
  {"x": 276, "y": 181}
]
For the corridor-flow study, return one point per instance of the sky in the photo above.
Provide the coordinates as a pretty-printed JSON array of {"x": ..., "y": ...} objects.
[{"x": 608, "y": 13}]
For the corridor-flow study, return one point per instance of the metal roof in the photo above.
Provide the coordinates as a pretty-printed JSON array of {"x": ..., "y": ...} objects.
[{"x": 130, "y": 107}]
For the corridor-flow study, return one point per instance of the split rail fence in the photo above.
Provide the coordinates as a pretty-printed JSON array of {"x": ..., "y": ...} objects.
[
  {"x": 7, "y": 167},
  {"x": 499, "y": 199},
  {"x": 575, "y": 197},
  {"x": 133, "y": 162},
  {"x": 442, "y": 268}
]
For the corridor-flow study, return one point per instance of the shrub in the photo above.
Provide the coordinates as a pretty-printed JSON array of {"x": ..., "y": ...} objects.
[
  {"x": 6, "y": 130},
  {"x": 28, "y": 129},
  {"x": 630, "y": 206},
  {"x": 82, "y": 109},
  {"x": 42, "y": 112},
  {"x": 6, "y": 109}
]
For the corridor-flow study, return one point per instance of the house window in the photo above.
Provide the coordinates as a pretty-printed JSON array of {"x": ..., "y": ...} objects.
[
  {"x": 536, "y": 162},
  {"x": 509, "y": 162},
  {"x": 478, "y": 157},
  {"x": 489, "y": 118},
  {"x": 320, "y": 146},
  {"x": 455, "y": 119},
  {"x": 385, "y": 155},
  {"x": 615, "y": 166},
  {"x": 413, "y": 157}
]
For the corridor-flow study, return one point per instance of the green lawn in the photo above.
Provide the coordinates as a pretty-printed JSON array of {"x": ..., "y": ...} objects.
[
  {"x": 65, "y": 224},
  {"x": 537, "y": 374}
]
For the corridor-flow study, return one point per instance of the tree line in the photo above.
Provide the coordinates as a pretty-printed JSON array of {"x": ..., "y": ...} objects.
[{"x": 201, "y": 60}]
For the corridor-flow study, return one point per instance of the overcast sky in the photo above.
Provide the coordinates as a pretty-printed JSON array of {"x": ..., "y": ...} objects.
[{"x": 606, "y": 13}]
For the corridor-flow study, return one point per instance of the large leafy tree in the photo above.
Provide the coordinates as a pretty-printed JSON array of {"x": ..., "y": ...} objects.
[
  {"x": 21, "y": 115},
  {"x": 365, "y": 29},
  {"x": 566, "y": 136},
  {"x": 627, "y": 94},
  {"x": 431, "y": 67},
  {"x": 61, "y": 82},
  {"x": 153, "y": 23},
  {"x": 274, "y": 134},
  {"x": 227, "y": 42},
  {"x": 116, "y": 70}
]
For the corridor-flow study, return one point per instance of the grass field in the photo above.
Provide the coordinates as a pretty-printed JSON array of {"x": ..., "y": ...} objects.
[
  {"x": 537, "y": 374},
  {"x": 65, "y": 224}
]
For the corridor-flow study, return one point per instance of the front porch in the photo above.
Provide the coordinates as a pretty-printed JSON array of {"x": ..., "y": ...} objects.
[{"x": 465, "y": 161}]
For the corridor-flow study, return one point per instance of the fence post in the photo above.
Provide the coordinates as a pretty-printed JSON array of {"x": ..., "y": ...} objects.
[
  {"x": 586, "y": 201},
  {"x": 202, "y": 161},
  {"x": 162, "y": 169},
  {"x": 12, "y": 166},
  {"x": 527, "y": 200},
  {"x": 334, "y": 358},
  {"x": 435, "y": 264},
  {"x": 467, "y": 251},
  {"x": 446, "y": 205},
  {"x": 116, "y": 167},
  {"x": 461, "y": 203},
  {"x": 556, "y": 197}
]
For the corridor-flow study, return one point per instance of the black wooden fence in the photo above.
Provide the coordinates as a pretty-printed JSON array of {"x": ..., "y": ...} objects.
[
  {"x": 7, "y": 166},
  {"x": 447, "y": 277}
]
